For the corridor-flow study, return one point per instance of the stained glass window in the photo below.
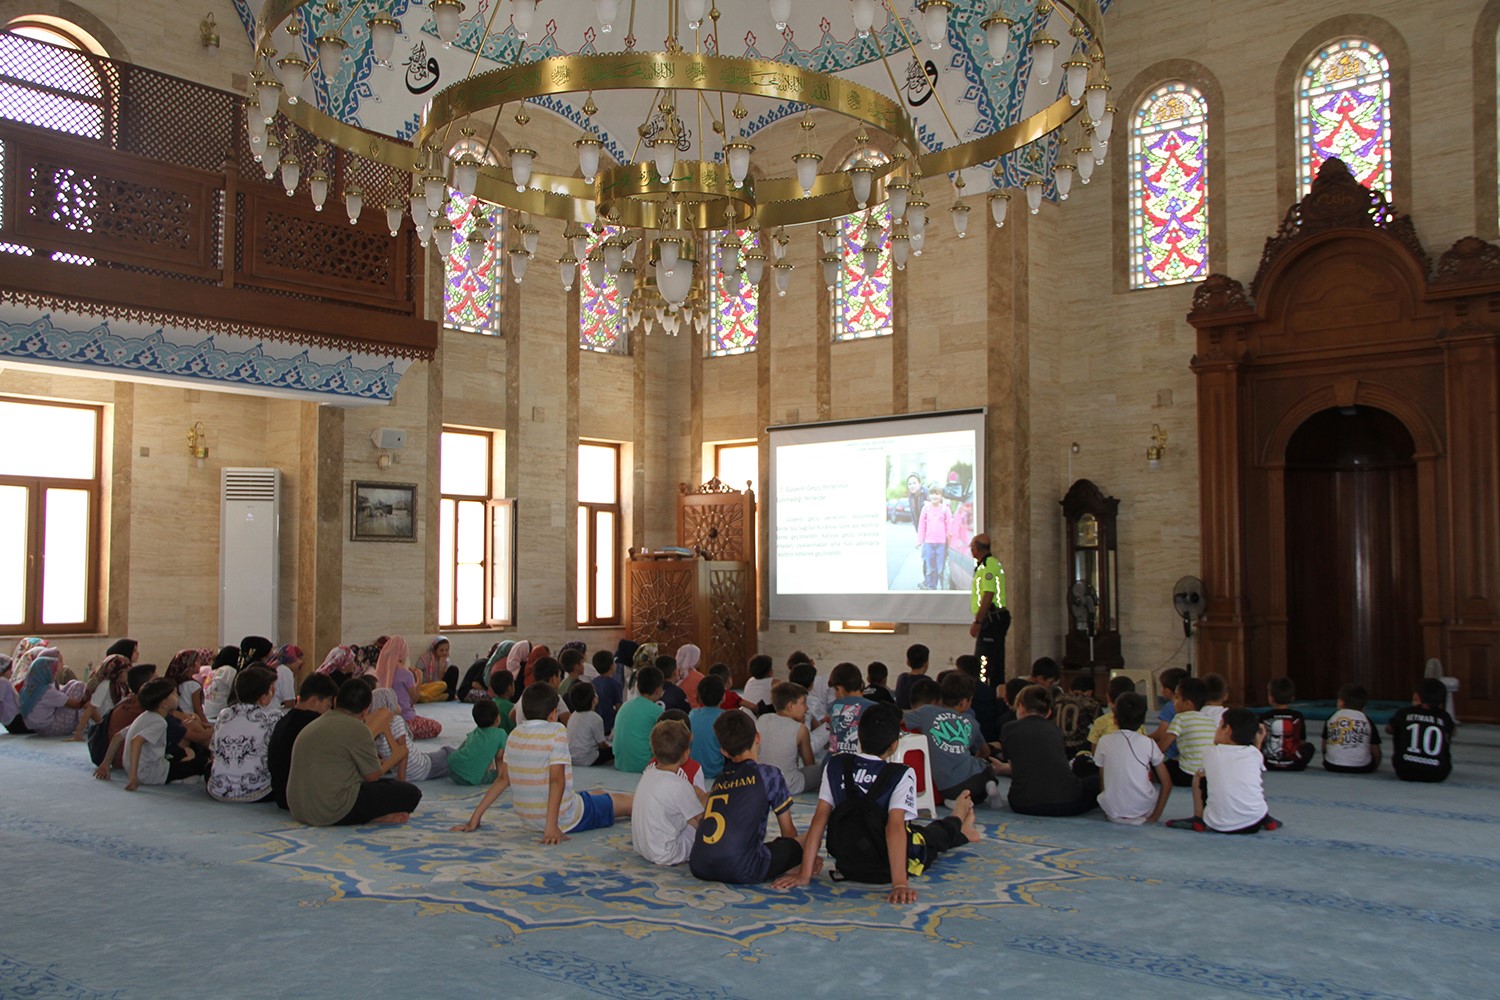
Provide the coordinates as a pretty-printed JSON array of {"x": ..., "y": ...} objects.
[
  {"x": 862, "y": 302},
  {"x": 1169, "y": 188},
  {"x": 475, "y": 284},
  {"x": 736, "y": 318},
  {"x": 1345, "y": 110},
  {"x": 601, "y": 317}
]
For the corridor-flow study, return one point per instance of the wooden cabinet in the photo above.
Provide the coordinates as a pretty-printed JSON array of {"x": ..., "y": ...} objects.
[{"x": 1093, "y": 595}]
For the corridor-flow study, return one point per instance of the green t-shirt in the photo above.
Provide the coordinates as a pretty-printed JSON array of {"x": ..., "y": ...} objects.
[
  {"x": 329, "y": 762},
  {"x": 632, "y": 739},
  {"x": 506, "y": 707},
  {"x": 474, "y": 762}
]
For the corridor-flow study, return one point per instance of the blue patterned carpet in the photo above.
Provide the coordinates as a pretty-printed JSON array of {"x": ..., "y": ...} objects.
[{"x": 1374, "y": 888}]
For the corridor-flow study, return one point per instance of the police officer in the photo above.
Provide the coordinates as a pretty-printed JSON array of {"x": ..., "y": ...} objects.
[{"x": 991, "y": 616}]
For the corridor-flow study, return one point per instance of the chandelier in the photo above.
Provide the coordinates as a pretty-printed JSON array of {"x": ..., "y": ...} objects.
[{"x": 665, "y": 151}]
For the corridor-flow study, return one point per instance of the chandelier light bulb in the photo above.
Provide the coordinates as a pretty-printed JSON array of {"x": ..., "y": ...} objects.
[
  {"x": 291, "y": 173},
  {"x": 999, "y": 205},
  {"x": 606, "y": 11},
  {"x": 523, "y": 16},
  {"x": 830, "y": 238},
  {"x": 997, "y": 35},
  {"x": 869, "y": 255},
  {"x": 588, "y": 156},
  {"x": 831, "y": 265},
  {"x": 383, "y": 29},
  {"x": 695, "y": 9},
  {"x": 1034, "y": 195},
  {"x": 317, "y": 186},
  {"x": 780, "y": 11},
  {"x": 580, "y": 243},
  {"x": 1062, "y": 176},
  {"x": 393, "y": 217},
  {"x": 935, "y": 21},
  {"x": 518, "y": 261},
  {"x": 1096, "y": 97},
  {"x": 445, "y": 15},
  {"x": 729, "y": 253},
  {"x": 738, "y": 154},
  {"x": 864, "y": 16},
  {"x": 1043, "y": 57},
  {"x": 782, "y": 272},
  {"x": 521, "y": 159}
]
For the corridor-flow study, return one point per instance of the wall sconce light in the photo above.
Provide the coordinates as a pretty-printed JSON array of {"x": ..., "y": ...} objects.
[
  {"x": 197, "y": 438},
  {"x": 208, "y": 32},
  {"x": 1157, "y": 447}
]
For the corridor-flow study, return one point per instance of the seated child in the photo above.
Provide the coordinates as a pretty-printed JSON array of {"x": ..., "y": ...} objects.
[
  {"x": 571, "y": 661},
  {"x": 1126, "y": 759},
  {"x": 146, "y": 758},
  {"x": 1217, "y": 691},
  {"x": 691, "y": 769},
  {"x": 1107, "y": 723},
  {"x": 118, "y": 719},
  {"x": 586, "y": 739},
  {"x": 1286, "y": 747},
  {"x": 916, "y": 666},
  {"x": 1351, "y": 743},
  {"x": 1421, "y": 750},
  {"x": 701, "y": 722},
  {"x": 1075, "y": 711},
  {"x": 633, "y": 723},
  {"x": 730, "y": 842},
  {"x": 315, "y": 698},
  {"x": 959, "y": 761},
  {"x": 608, "y": 691},
  {"x": 1190, "y": 731},
  {"x": 758, "y": 688},
  {"x": 1013, "y": 687},
  {"x": 479, "y": 759},
  {"x": 539, "y": 767},
  {"x": 545, "y": 671},
  {"x": 502, "y": 688},
  {"x": 1168, "y": 679},
  {"x": 906, "y": 849},
  {"x": 241, "y": 741},
  {"x": 1041, "y": 781},
  {"x": 672, "y": 695},
  {"x": 732, "y": 700},
  {"x": 785, "y": 743},
  {"x": 471, "y": 689},
  {"x": 876, "y": 674},
  {"x": 1228, "y": 796},
  {"x": 667, "y": 806},
  {"x": 924, "y": 694},
  {"x": 805, "y": 673},
  {"x": 1046, "y": 673},
  {"x": 844, "y": 711},
  {"x": 418, "y": 764}
]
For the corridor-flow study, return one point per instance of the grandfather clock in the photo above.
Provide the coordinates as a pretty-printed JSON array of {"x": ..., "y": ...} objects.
[{"x": 1093, "y": 639}]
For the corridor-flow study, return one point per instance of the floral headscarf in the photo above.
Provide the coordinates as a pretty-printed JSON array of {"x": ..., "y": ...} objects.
[
  {"x": 428, "y": 664},
  {"x": 340, "y": 660},
  {"x": 27, "y": 650},
  {"x": 185, "y": 663},
  {"x": 285, "y": 656},
  {"x": 645, "y": 656},
  {"x": 498, "y": 659},
  {"x": 392, "y": 656},
  {"x": 112, "y": 673},
  {"x": 39, "y": 678}
]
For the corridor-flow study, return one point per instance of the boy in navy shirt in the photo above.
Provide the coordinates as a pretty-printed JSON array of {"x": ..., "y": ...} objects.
[
  {"x": 1421, "y": 750},
  {"x": 730, "y": 845}
]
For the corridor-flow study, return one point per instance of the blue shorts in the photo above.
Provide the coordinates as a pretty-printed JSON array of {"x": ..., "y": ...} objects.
[{"x": 598, "y": 812}]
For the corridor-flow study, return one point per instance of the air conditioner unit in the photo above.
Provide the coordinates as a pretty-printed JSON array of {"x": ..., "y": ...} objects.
[{"x": 249, "y": 553}]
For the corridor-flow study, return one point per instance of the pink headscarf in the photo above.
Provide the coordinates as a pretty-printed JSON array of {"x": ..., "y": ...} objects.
[
  {"x": 340, "y": 659},
  {"x": 392, "y": 656}
]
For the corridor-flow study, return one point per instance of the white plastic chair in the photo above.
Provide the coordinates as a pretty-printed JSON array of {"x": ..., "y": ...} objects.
[
  {"x": 1435, "y": 670},
  {"x": 915, "y": 752}
]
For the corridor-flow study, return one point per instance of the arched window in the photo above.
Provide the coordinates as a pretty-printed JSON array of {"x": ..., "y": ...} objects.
[
  {"x": 474, "y": 290},
  {"x": 601, "y": 316},
  {"x": 736, "y": 317},
  {"x": 1344, "y": 110},
  {"x": 1169, "y": 188},
  {"x": 48, "y": 79}
]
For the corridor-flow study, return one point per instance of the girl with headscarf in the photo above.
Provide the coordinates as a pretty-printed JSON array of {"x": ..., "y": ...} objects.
[
  {"x": 181, "y": 671},
  {"x": 497, "y": 660},
  {"x": 515, "y": 661},
  {"x": 528, "y": 675},
  {"x": 392, "y": 672},
  {"x": 220, "y": 690},
  {"x": 340, "y": 664},
  {"x": 107, "y": 687},
  {"x": 50, "y": 710},
  {"x": 419, "y": 764},
  {"x": 10, "y": 702},
  {"x": 687, "y": 676},
  {"x": 26, "y": 652},
  {"x": 643, "y": 657},
  {"x": 438, "y": 677},
  {"x": 286, "y": 661}
]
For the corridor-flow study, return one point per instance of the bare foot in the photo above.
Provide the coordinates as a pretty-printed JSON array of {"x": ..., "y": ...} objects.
[
  {"x": 392, "y": 819},
  {"x": 963, "y": 808},
  {"x": 75, "y": 738}
]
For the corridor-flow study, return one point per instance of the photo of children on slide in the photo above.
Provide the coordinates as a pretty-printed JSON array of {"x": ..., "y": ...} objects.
[{"x": 929, "y": 513}]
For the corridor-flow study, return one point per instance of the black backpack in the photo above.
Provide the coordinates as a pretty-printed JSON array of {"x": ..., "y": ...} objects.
[
  {"x": 856, "y": 829},
  {"x": 99, "y": 738}
]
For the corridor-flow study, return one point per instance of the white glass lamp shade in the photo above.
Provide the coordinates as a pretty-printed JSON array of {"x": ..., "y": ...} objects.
[
  {"x": 393, "y": 217},
  {"x": 434, "y": 188},
  {"x": 466, "y": 175},
  {"x": 869, "y": 255},
  {"x": 418, "y": 204},
  {"x": 780, "y": 11},
  {"x": 317, "y": 186},
  {"x": 668, "y": 252},
  {"x": 1034, "y": 195},
  {"x": 1096, "y": 97},
  {"x": 830, "y": 238},
  {"x": 695, "y": 9},
  {"x": 267, "y": 96},
  {"x": 330, "y": 50},
  {"x": 523, "y": 16},
  {"x": 271, "y": 158},
  {"x": 779, "y": 244},
  {"x": 916, "y": 216},
  {"x": 831, "y": 265},
  {"x": 729, "y": 256},
  {"x": 310, "y": 88},
  {"x": 782, "y": 272},
  {"x": 675, "y": 283},
  {"x": 898, "y": 193},
  {"x": 567, "y": 270},
  {"x": 424, "y": 236},
  {"x": 733, "y": 282},
  {"x": 292, "y": 72},
  {"x": 1075, "y": 80},
  {"x": 443, "y": 233},
  {"x": 588, "y": 157},
  {"x": 614, "y": 255},
  {"x": 1104, "y": 125},
  {"x": 864, "y": 16},
  {"x": 580, "y": 243},
  {"x": 518, "y": 261},
  {"x": 861, "y": 178},
  {"x": 625, "y": 280},
  {"x": 255, "y": 124},
  {"x": 1062, "y": 176},
  {"x": 997, "y": 36},
  {"x": 521, "y": 160},
  {"x": 291, "y": 173},
  {"x": 383, "y": 37},
  {"x": 597, "y": 271},
  {"x": 935, "y": 22},
  {"x": 1043, "y": 57},
  {"x": 755, "y": 266},
  {"x": 445, "y": 15},
  {"x": 807, "y": 170},
  {"x": 900, "y": 250},
  {"x": 607, "y": 11},
  {"x": 738, "y": 154},
  {"x": 960, "y": 215},
  {"x": 530, "y": 235},
  {"x": 999, "y": 207},
  {"x": 483, "y": 224},
  {"x": 1085, "y": 157},
  {"x": 664, "y": 154},
  {"x": 917, "y": 241}
]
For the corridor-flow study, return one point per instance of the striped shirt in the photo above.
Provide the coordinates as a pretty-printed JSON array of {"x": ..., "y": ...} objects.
[
  {"x": 1195, "y": 733},
  {"x": 530, "y": 752}
]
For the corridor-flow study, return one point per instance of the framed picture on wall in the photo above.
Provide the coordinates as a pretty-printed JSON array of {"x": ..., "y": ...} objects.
[{"x": 383, "y": 512}]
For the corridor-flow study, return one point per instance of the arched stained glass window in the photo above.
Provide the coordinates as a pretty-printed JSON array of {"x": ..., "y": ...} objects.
[
  {"x": 601, "y": 316},
  {"x": 474, "y": 292},
  {"x": 1169, "y": 188},
  {"x": 863, "y": 303},
  {"x": 1344, "y": 109},
  {"x": 736, "y": 318}
]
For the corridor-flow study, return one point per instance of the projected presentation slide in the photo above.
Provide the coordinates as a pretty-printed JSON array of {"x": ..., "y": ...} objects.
[{"x": 872, "y": 520}]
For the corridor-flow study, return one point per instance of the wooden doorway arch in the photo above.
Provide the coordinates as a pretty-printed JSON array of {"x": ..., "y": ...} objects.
[{"x": 1346, "y": 311}]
